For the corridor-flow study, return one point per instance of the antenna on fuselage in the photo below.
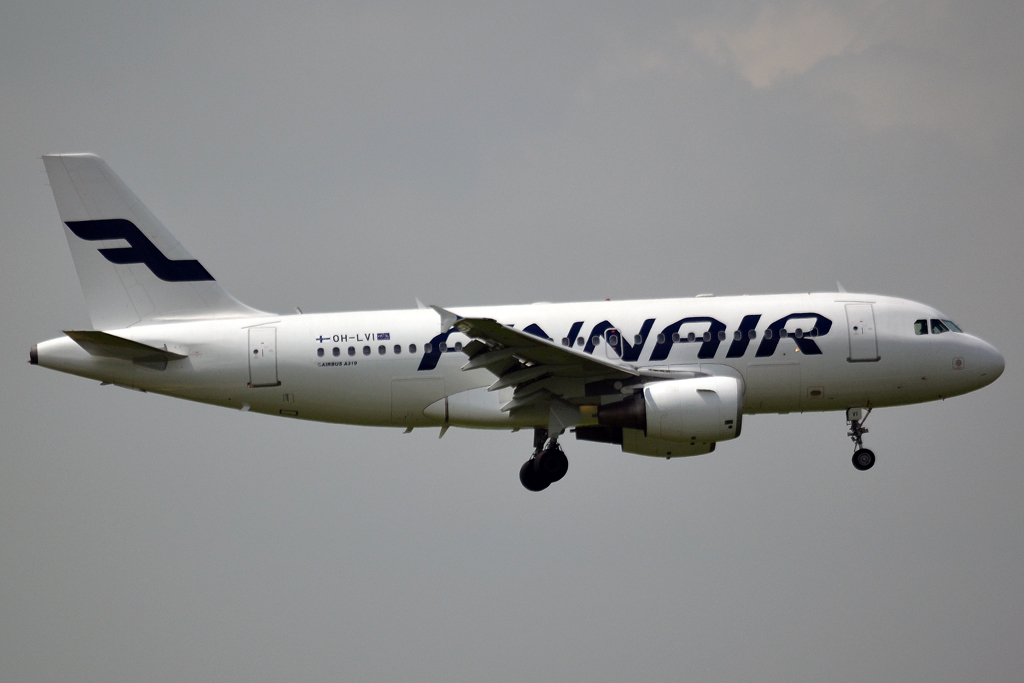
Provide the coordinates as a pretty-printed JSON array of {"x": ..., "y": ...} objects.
[{"x": 840, "y": 286}]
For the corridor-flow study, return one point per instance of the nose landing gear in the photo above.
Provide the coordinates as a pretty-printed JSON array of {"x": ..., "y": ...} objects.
[
  {"x": 547, "y": 465},
  {"x": 863, "y": 458}
]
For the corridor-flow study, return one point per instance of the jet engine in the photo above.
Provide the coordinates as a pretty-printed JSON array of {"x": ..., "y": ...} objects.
[{"x": 688, "y": 411}]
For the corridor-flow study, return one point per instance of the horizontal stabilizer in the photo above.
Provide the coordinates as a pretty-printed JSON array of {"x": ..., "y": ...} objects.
[{"x": 111, "y": 346}]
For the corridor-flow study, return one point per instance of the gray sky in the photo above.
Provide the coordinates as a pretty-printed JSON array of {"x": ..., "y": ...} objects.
[{"x": 355, "y": 157}]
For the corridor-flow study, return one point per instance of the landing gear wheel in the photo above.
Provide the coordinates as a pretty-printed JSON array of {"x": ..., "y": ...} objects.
[
  {"x": 863, "y": 459},
  {"x": 553, "y": 464},
  {"x": 531, "y": 478}
]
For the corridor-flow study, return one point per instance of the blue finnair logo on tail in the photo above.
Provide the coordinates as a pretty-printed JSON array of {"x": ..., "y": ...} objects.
[{"x": 140, "y": 251}]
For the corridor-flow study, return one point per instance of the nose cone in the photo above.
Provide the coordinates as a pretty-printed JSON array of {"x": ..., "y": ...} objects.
[
  {"x": 983, "y": 363},
  {"x": 989, "y": 363}
]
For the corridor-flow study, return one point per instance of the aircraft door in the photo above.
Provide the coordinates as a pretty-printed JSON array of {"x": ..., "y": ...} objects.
[
  {"x": 860, "y": 323},
  {"x": 263, "y": 357},
  {"x": 613, "y": 344},
  {"x": 772, "y": 387},
  {"x": 410, "y": 397}
]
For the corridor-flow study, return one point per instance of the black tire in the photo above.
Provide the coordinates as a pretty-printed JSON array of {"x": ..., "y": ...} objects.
[
  {"x": 864, "y": 460},
  {"x": 553, "y": 464},
  {"x": 531, "y": 478}
]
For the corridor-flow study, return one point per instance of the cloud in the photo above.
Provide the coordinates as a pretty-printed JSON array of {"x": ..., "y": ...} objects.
[
  {"x": 935, "y": 67},
  {"x": 780, "y": 42}
]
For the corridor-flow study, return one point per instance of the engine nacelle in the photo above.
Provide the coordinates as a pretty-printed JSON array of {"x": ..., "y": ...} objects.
[{"x": 690, "y": 411}]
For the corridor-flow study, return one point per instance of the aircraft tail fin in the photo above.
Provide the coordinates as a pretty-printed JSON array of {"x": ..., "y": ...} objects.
[{"x": 131, "y": 268}]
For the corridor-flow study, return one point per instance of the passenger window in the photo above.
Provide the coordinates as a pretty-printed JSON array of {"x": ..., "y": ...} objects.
[
  {"x": 752, "y": 334},
  {"x": 920, "y": 327},
  {"x": 661, "y": 339},
  {"x": 336, "y": 352},
  {"x": 428, "y": 348},
  {"x": 565, "y": 341},
  {"x": 637, "y": 339},
  {"x": 596, "y": 340},
  {"x": 675, "y": 337},
  {"x": 952, "y": 326},
  {"x": 768, "y": 333},
  {"x": 707, "y": 336},
  {"x": 366, "y": 350},
  {"x": 320, "y": 353},
  {"x": 938, "y": 327},
  {"x": 721, "y": 335},
  {"x": 398, "y": 348},
  {"x": 442, "y": 347},
  {"x": 351, "y": 350},
  {"x": 412, "y": 348},
  {"x": 579, "y": 341},
  {"x": 783, "y": 333},
  {"x": 382, "y": 349},
  {"x": 737, "y": 335},
  {"x": 691, "y": 337},
  {"x": 458, "y": 346}
]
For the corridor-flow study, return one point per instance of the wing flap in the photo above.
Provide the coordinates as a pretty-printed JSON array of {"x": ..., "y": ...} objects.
[
  {"x": 488, "y": 358},
  {"x": 507, "y": 343},
  {"x": 539, "y": 370}
]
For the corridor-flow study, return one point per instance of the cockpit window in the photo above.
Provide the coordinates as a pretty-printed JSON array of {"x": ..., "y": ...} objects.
[
  {"x": 938, "y": 327},
  {"x": 920, "y": 327},
  {"x": 952, "y": 326}
]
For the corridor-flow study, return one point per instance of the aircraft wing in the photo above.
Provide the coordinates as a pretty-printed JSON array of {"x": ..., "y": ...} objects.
[{"x": 537, "y": 369}]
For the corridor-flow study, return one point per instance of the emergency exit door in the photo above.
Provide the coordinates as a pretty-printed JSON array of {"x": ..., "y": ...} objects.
[
  {"x": 860, "y": 323},
  {"x": 263, "y": 357},
  {"x": 613, "y": 344}
]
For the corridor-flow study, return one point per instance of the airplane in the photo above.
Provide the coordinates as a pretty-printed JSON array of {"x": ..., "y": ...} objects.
[{"x": 664, "y": 378}]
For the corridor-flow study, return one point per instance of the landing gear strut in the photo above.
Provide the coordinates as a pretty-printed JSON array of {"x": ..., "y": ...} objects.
[
  {"x": 547, "y": 465},
  {"x": 863, "y": 459}
]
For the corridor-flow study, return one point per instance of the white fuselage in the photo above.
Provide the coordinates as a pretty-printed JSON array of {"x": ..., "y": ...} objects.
[{"x": 374, "y": 368}]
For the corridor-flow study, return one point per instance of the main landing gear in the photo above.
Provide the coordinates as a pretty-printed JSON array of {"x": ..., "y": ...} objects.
[
  {"x": 547, "y": 465},
  {"x": 863, "y": 459}
]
